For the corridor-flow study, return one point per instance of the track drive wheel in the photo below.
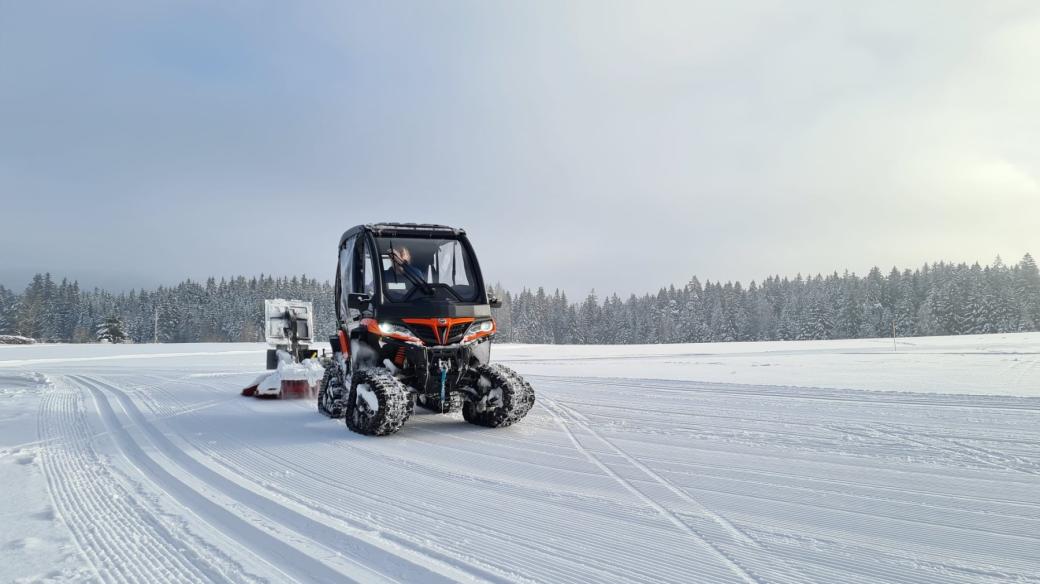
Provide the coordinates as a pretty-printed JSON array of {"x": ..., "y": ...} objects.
[
  {"x": 378, "y": 403},
  {"x": 507, "y": 400},
  {"x": 331, "y": 393}
]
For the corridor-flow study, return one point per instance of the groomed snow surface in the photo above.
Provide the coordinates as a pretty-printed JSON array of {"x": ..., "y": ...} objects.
[{"x": 836, "y": 462}]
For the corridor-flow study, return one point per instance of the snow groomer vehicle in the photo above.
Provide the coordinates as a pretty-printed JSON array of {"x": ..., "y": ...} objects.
[{"x": 415, "y": 327}]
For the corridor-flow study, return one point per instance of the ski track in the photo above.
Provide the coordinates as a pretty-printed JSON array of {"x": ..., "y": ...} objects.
[
  {"x": 739, "y": 570},
  {"x": 163, "y": 474},
  {"x": 727, "y": 526},
  {"x": 998, "y": 517},
  {"x": 576, "y": 564},
  {"x": 368, "y": 564},
  {"x": 122, "y": 541}
]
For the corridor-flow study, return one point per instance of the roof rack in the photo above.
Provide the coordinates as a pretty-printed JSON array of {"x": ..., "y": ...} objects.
[
  {"x": 378, "y": 228},
  {"x": 402, "y": 229}
]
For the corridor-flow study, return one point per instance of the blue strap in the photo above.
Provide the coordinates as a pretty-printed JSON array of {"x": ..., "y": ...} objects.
[{"x": 444, "y": 379}]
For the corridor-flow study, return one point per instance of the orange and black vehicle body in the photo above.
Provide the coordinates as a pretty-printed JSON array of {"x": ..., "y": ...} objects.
[{"x": 411, "y": 298}]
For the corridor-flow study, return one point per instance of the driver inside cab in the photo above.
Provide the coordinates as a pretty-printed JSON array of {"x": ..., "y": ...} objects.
[{"x": 401, "y": 274}]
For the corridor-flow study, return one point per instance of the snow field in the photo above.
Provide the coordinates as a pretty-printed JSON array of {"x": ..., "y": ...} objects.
[{"x": 684, "y": 463}]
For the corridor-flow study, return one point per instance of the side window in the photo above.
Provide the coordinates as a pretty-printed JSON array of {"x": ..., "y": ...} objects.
[
  {"x": 368, "y": 279},
  {"x": 346, "y": 273},
  {"x": 357, "y": 265}
]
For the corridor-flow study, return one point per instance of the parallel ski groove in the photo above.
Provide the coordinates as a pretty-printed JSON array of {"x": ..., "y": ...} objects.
[
  {"x": 287, "y": 558},
  {"x": 237, "y": 463},
  {"x": 99, "y": 511},
  {"x": 582, "y": 564}
]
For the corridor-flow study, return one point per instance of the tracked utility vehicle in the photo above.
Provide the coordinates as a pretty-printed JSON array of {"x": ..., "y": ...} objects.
[{"x": 415, "y": 326}]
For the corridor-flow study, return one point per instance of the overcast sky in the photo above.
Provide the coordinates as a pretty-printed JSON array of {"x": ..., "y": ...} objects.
[{"x": 615, "y": 146}]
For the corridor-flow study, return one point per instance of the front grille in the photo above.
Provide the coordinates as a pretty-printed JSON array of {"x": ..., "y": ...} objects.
[
  {"x": 425, "y": 334},
  {"x": 456, "y": 332}
]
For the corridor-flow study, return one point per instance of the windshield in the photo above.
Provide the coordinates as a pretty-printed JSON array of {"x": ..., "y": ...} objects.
[{"x": 416, "y": 268}]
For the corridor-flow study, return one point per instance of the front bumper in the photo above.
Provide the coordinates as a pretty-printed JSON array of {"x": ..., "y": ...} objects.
[{"x": 425, "y": 362}]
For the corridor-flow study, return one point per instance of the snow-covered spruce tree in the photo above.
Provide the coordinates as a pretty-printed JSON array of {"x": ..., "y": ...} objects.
[
  {"x": 873, "y": 324},
  {"x": 8, "y": 307},
  {"x": 166, "y": 318},
  {"x": 789, "y": 324},
  {"x": 945, "y": 299},
  {"x": 848, "y": 308},
  {"x": 521, "y": 316},
  {"x": 817, "y": 322},
  {"x": 691, "y": 314},
  {"x": 1026, "y": 293},
  {"x": 1000, "y": 297},
  {"x": 68, "y": 309},
  {"x": 762, "y": 318},
  {"x": 111, "y": 330},
  {"x": 589, "y": 319},
  {"x": 721, "y": 324},
  {"x": 556, "y": 328},
  {"x": 540, "y": 324},
  {"x": 503, "y": 315},
  {"x": 616, "y": 325},
  {"x": 903, "y": 309},
  {"x": 29, "y": 319}
]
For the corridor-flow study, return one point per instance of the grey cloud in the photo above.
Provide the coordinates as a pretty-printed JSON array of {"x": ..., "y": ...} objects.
[{"x": 617, "y": 146}]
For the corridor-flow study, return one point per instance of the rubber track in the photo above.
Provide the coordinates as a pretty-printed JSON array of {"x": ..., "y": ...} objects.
[
  {"x": 517, "y": 397},
  {"x": 395, "y": 403}
]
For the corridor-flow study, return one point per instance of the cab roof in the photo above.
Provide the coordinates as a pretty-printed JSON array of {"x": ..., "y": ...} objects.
[{"x": 402, "y": 230}]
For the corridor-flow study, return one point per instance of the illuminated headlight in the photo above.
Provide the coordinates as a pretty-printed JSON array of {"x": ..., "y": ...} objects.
[
  {"x": 484, "y": 326},
  {"x": 389, "y": 328}
]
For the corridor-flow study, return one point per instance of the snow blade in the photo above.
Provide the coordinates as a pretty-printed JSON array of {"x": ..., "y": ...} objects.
[{"x": 249, "y": 391}]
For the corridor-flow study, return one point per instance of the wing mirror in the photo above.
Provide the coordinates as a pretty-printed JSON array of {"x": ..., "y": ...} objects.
[
  {"x": 494, "y": 302},
  {"x": 358, "y": 301}
]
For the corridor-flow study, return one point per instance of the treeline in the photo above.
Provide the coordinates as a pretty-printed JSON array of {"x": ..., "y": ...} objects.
[
  {"x": 213, "y": 311},
  {"x": 936, "y": 299}
]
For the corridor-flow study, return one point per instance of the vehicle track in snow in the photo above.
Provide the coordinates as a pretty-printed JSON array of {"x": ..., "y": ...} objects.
[
  {"x": 746, "y": 494},
  {"x": 336, "y": 491},
  {"x": 580, "y": 564},
  {"x": 121, "y": 538},
  {"x": 292, "y": 548},
  {"x": 254, "y": 464},
  {"x": 915, "y": 494},
  {"x": 737, "y": 569},
  {"x": 777, "y": 569}
]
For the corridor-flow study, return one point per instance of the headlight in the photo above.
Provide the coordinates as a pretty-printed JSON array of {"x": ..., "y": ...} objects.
[
  {"x": 478, "y": 330},
  {"x": 484, "y": 326},
  {"x": 389, "y": 328}
]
